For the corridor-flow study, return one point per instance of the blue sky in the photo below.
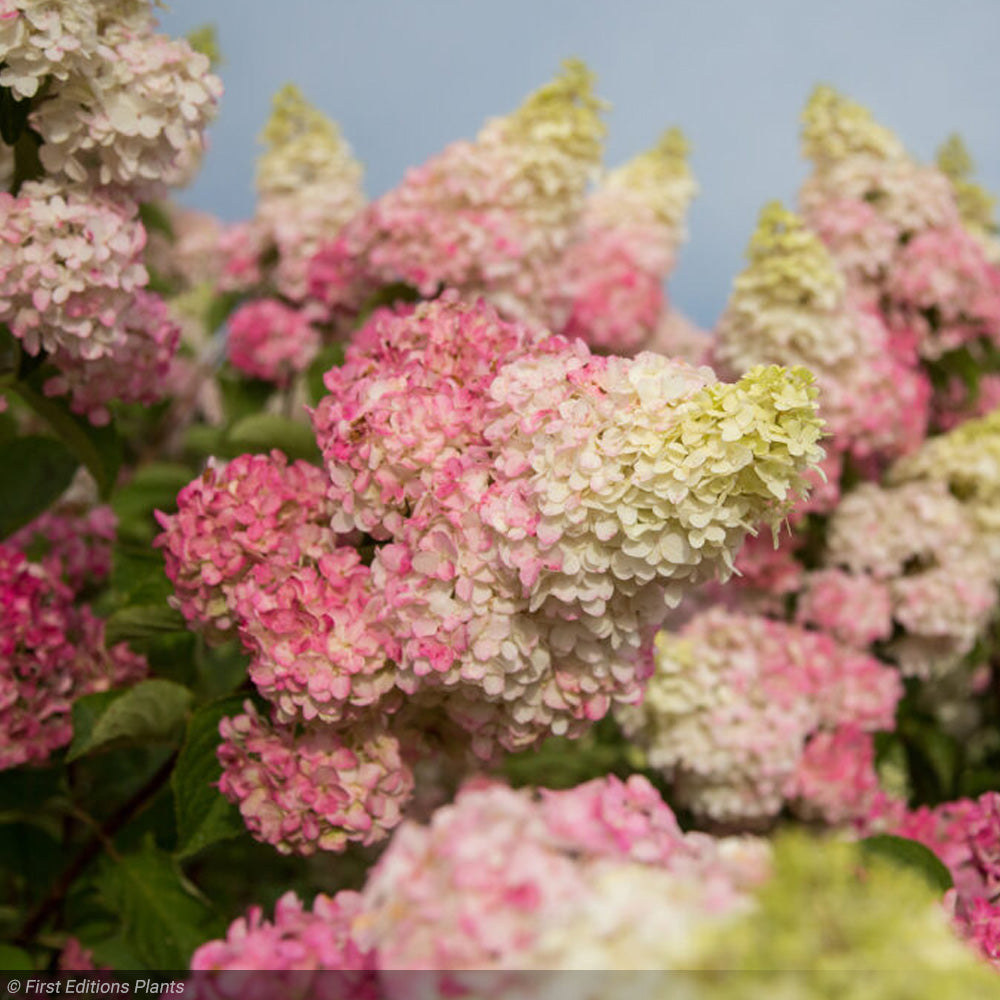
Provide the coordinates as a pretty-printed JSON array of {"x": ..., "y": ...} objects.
[{"x": 405, "y": 77}]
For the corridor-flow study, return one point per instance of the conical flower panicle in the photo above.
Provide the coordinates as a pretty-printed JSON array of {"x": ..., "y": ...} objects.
[
  {"x": 656, "y": 186},
  {"x": 304, "y": 149},
  {"x": 976, "y": 206},
  {"x": 789, "y": 265},
  {"x": 834, "y": 127}
]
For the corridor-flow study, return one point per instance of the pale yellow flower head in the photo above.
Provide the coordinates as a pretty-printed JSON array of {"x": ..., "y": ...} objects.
[
  {"x": 304, "y": 149},
  {"x": 655, "y": 186},
  {"x": 834, "y": 127},
  {"x": 834, "y": 922},
  {"x": 563, "y": 113},
  {"x": 553, "y": 142}
]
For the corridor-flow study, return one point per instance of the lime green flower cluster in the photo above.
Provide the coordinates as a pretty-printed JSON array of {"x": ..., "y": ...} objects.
[
  {"x": 656, "y": 186},
  {"x": 788, "y": 305},
  {"x": 304, "y": 149},
  {"x": 556, "y": 138},
  {"x": 834, "y": 127},
  {"x": 975, "y": 204},
  {"x": 835, "y": 923},
  {"x": 789, "y": 264},
  {"x": 765, "y": 426}
]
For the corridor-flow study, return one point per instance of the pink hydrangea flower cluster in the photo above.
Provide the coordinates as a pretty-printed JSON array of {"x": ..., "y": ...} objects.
[
  {"x": 190, "y": 254},
  {"x": 965, "y": 835},
  {"x": 607, "y": 288},
  {"x": 256, "y": 510},
  {"x": 488, "y": 217},
  {"x": 611, "y": 302},
  {"x": 534, "y": 510},
  {"x": 856, "y": 609},
  {"x": 745, "y": 715},
  {"x": 896, "y": 230},
  {"x": 505, "y": 873},
  {"x": 303, "y": 789},
  {"x": 943, "y": 288},
  {"x": 51, "y": 652},
  {"x": 73, "y": 545},
  {"x": 297, "y": 940},
  {"x": 146, "y": 340},
  {"x": 70, "y": 263},
  {"x": 270, "y": 340},
  {"x": 915, "y": 545},
  {"x": 518, "y": 551}
]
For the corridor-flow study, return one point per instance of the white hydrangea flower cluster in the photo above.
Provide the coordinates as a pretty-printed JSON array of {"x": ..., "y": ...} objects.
[
  {"x": 108, "y": 113},
  {"x": 922, "y": 545},
  {"x": 733, "y": 701},
  {"x": 70, "y": 264},
  {"x": 858, "y": 160},
  {"x": 135, "y": 118},
  {"x": 123, "y": 104},
  {"x": 967, "y": 460},
  {"x": 543, "y": 507}
]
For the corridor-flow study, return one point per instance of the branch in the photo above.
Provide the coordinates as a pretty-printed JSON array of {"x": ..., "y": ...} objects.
[{"x": 101, "y": 838}]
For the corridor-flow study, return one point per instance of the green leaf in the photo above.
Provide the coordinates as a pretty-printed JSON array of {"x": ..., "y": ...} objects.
[
  {"x": 162, "y": 919},
  {"x": 332, "y": 356},
  {"x": 98, "y": 448},
  {"x": 10, "y": 354},
  {"x": 138, "y": 575},
  {"x": 153, "y": 487},
  {"x": 387, "y": 295},
  {"x": 140, "y": 621},
  {"x": 8, "y": 426},
  {"x": 242, "y": 396},
  {"x": 153, "y": 710},
  {"x": 36, "y": 470},
  {"x": 934, "y": 758},
  {"x": 155, "y": 218},
  {"x": 263, "y": 431},
  {"x": 15, "y": 959},
  {"x": 204, "y": 816},
  {"x": 909, "y": 854},
  {"x": 13, "y": 115},
  {"x": 220, "y": 308},
  {"x": 201, "y": 440}
]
